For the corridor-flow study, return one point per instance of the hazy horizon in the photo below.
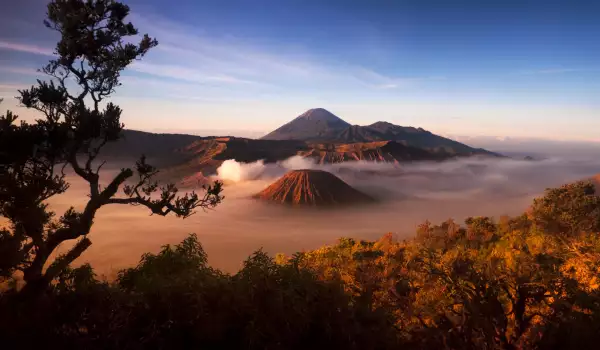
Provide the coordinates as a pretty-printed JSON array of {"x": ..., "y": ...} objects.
[
  {"x": 476, "y": 140},
  {"x": 517, "y": 147}
]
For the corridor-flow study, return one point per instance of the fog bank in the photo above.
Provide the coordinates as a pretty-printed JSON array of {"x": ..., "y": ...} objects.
[{"x": 407, "y": 195}]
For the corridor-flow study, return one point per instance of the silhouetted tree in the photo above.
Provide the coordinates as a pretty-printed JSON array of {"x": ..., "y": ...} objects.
[{"x": 94, "y": 48}]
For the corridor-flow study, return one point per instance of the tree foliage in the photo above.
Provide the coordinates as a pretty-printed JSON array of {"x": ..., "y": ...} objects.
[
  {"x": 173, "y": 299},
  {"x": 76, "y": 122},
  {"x": 526, "y": 282}
]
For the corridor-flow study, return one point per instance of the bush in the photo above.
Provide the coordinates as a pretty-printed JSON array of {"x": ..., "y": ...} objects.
[{"x": 174, "y": 300}]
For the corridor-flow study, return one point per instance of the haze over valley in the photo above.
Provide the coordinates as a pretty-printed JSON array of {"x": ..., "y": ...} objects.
[{"x": 424, "y": 177}]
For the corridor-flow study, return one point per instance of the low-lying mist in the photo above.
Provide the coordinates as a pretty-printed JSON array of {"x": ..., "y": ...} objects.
[{"x": 407, "y": 194}]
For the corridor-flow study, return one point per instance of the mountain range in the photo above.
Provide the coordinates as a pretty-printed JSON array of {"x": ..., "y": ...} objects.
[
  {"x": 320, "y": 125},
  {"x": 317, "y": 134}
]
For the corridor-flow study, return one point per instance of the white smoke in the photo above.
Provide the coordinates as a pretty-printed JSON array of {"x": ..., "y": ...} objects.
[
  {"x": 491, "y": 176},
  {"x": 298, "y": 162},
  {"x": 234, "y": 171}
]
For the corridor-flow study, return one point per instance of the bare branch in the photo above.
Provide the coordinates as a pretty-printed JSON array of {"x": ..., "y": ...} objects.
[
  {"x": 100, "y": 167},
  {"x": 94, "y": 153},
  {"x": 182, "y": 206}
]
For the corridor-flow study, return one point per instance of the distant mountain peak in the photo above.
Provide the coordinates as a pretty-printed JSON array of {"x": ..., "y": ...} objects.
[
  {"x": 316, "y": 110},
  {"x": 319, "y": 114},
  {"x": 316, "y": 123},
  {"x": 320, "y": 125},
  {"x": 382, "y": 123}
]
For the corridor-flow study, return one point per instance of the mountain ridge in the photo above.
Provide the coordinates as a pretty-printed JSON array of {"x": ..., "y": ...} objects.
[
  {"x": 327, "y": 127},
  {"x": 183, "y": 157},
  {"x": 323, "y": 137}
]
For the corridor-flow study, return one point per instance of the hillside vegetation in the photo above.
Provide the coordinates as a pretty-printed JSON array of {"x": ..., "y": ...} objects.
[{"x": 528, "y": 282}]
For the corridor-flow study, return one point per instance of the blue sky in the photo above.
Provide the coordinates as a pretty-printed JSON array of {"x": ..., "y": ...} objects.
[{"x": 496, "y": 68}]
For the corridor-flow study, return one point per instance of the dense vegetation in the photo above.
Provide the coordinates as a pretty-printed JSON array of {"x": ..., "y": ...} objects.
[{"x": 525, "y": 282}]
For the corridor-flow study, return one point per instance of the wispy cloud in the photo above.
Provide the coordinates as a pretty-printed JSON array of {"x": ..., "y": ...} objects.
[
  {"x": 188, "y": 54},
  {"x": 378, "y": 81},
  {"x": 23, "y": 47},
  {"x": 144, "y": 87},
  {"x": 551, "y": 71},
  {"x": 187, "y": 74},
  {"x": 209, "y": 71},
  {"x": 220, "y": 54}
]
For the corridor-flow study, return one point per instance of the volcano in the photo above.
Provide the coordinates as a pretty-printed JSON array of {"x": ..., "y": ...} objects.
[
  {"x": 320, "y": 125},
  {"x": 312, "y": 188},
  {"x": 314, "y": 124}
]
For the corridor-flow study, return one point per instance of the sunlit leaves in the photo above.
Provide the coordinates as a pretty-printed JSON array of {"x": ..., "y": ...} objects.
[{"x": 487, "y": 285}]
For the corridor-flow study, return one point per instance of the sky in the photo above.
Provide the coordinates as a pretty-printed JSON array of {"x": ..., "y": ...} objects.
[{"x": 477, "y": 68}]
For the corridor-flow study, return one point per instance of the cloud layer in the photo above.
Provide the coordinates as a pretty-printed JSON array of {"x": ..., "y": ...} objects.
[{"x": 407, "y": 196}]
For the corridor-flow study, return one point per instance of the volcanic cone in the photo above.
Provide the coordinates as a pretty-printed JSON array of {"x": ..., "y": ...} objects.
[{"x": 312, "y": 188}]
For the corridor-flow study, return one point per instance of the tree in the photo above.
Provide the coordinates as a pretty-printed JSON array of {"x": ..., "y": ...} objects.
[
  {"x": 568, "y": 210},
  {"x": 95, "y": 46}
]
